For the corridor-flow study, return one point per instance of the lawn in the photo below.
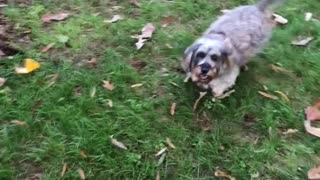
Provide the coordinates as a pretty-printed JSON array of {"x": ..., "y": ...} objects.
[{"x": 67, "y": 110}]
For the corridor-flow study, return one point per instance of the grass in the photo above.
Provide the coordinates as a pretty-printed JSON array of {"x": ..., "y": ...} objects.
[{"x": 245, "y": 138}]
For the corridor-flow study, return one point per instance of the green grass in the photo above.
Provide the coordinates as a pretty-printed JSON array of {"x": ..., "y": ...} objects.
[{"x": 61, "y": 124}]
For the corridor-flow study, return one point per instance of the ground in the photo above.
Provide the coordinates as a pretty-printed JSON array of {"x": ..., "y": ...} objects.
[{"x": 240, "y": 135}]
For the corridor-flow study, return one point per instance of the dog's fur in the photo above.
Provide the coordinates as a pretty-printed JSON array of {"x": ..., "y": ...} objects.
[{"x": 214, "y": 60}]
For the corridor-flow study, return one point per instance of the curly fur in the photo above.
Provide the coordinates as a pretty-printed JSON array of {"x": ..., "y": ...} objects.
[{"x": 233, "y": 39}]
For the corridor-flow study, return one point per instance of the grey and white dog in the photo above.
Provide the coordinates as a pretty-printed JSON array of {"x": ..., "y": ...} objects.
[{"x": 214, "y": 60}]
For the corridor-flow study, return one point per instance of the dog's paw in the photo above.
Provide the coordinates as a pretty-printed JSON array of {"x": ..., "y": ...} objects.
[{"x": 224, "y": 95}]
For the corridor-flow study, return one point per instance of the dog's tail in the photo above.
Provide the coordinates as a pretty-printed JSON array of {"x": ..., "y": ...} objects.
[{"x": 264, "y": 4}]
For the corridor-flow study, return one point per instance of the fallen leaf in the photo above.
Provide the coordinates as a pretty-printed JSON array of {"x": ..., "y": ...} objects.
[
  {"x": 92, "y": 62},
  {"x": 2, "y": 81},
  {"x": 279, "y": 69},
  {"x": 118, "y": 144},
  {"x": 167, "y": 21},
  {"x": 47, "y": 18},
  {"x": 19, "y": 123},
  {"x": 169, "y": 46},
  {"x": 175, "y": 84},
  {"x": 302, "y": 42},
  {"x": 81, "y": 174},
  {"x": 159, "y": 153},
  {"x": 64, "y": 169},
  {"x": 161, "y": 159},
  {"x": 47, "y": 48},
  {"x": 279, "y": 19},
  {"x": 146, "y": 33},
  {"x": 170, "y": 144},
  {"x": 202, "y": 94},
  {"x": 312, "y": 114},
  {"x": 135, "y": 3},
  {"x": 314, "y": 173},
  {"x": 110, "y": 103},
  {"x": 54, "y": 78},
  {"x": 290, "y": 131},
  {"x": 108, "y": 85},
  {"x": 77, "y": 91},
  {"x": 136, "y": 85},
  {"x": 114, "y": 19},
  {"x": 308, "y": 16},
  {"x": 266, "y": 95},
  {"x": 220, "y": 173},
  {"x": 30, "y": 65},
  {"x": 283, "y": 95},
  {"x": 138, "y": 64},
  {"x": 173, "y": 109},
  {"x": 83, "y": 154},
  {"x": 158, "y": 175}
]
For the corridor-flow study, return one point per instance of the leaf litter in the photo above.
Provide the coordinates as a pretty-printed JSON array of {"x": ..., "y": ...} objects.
[
  {"x": 302, "y": 42},
  {"x": 146, "y": 33},
  {"x": 108, "y": 85},
  {"x": 279, "y": 19},
  {"x": 64, "y": 169},
  {"x": 266, "y": 95},
  {"x": 114, "y": 19},
  {"x": 159, "y": 153},
  {"x": 312, "y": 113},
  {"x": 30, "y": 65},
  {"x": 118, "y": 144},
  {"x": 2, "y": 81},
  {"x": 47, "y": 48},
  {"x": 170, "y": 144},
  {"x": 285, "y": 97},
  {"x": 219, "y": 173},
  {"x": 290, "y": 131},
  {"x": 308, "y": 16},
  {"x": 83, "y": 154},
  {"x": 19, "y": 123},
  {"x": 279, "y": 69},
  {"x": 173, "y": 108},
  {"x": 47, "y": 18},
  {"x": 136, "y": 85},
  {"x": 81, "y": 174}
]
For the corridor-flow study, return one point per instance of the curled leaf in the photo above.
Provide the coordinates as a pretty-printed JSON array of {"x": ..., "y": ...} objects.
[
  {"x": 302, "y": 42},
  {"x": 146, "y": 33},
  {"x": 19, "y": 123},
  {"x": 47, "y": 18},
  {"x": 278, "y": 69},
  {"x": 312, "y": 114},
  {"x": 114, "y": 19},
  {"x": 83, "y": 154},
  {"x": 269, "y": 96},
  {"x": 161, "y": 152},
  {"x": 81, "y": 174},
  {"x": 136, "y": 85},
  {"x": 30, "y": 65},
  {"x": 162, "y": 158},
  {"x": 279, "y": 19},
  {"x": 283, "y": 95},
  {"x": 64, "y": 169},
  {"x": 290, "y": 131},
  {"x": 110, "y": 103},
  {"x": 47, "y": 48},
  {"x": 220, "y": 173},
  {"x": 108, "y": 85},
  {"x": 118, "y": 144},
  {"x": 170, "y": 144},
  {"x": 173, "y": 109}
]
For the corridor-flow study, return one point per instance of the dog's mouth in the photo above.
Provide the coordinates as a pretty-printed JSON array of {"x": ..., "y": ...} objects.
[{"x": 204, "y": 78}]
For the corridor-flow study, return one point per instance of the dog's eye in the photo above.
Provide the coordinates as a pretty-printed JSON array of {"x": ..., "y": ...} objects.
[
  {"x": 214, "y": 57},
  {"x": 201, "y": 55}
]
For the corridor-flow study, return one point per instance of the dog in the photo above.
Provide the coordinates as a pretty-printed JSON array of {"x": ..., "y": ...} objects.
[{"x": 214, "y": 60}]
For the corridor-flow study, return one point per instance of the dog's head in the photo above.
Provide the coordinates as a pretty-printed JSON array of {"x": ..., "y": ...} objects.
[{"x": 206, "y": 58}]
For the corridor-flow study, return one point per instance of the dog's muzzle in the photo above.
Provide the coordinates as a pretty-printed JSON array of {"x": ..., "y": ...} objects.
[{"x": 205, "y": 68}]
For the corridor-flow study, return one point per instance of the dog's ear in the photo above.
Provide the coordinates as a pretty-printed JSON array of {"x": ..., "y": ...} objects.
[
  {"x": 189, "y": 55},
  {"x": 227, "y": 47}
]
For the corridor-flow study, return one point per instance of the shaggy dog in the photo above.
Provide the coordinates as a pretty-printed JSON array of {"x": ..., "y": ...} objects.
[{"x": 214, "y": 60}]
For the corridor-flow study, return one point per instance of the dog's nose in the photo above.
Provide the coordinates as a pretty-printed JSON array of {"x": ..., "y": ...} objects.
[{"x": 205, "y": 68}]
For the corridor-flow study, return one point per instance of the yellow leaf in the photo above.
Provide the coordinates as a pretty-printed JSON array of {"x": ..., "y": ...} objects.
[
  {"x": 30, "y": 65},
  {"x": 283, "y": 95}
]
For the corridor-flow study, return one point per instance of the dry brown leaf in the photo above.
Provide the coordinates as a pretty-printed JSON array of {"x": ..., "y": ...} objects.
[
  {"x": 279, "y": 69},
  {"x": 114, "y": 19},
  {"x": 290, "y": 131},
  {"x": 2, "y": 81},
  {"x": 64, "y": 169},
  {"x": 108, "y": 85},
  {"x": 158, "y": 177},
  {"x": 302, "y": 42},
  {"x": 159, "y": 153},
  {"x": 314, "y": 173},
  {"x": 266, "y": 95},
  {"x": 118, "y": 144},
  {"x": 146, "y": 33},
  {"x": 47, "y": 18},
  {"x": 81, "y": 174},
  {"x": 110, "y": 103},
  {"x": 138, "y": 64},
  {"x": 19, "y": 123},
  {"x": 54, "y": 78},
  {"x": 220, "y": 173},
  {"x": 279, "y": 19},
  {"x": 167, "y": 21},
  {"x": 170, "y": 144},
  {"x": 135, "y": 3},
  {"x": 202, "y": 94},
  {"x": 173, "y": 109},
  {"x": 136, "y": 85},
  {"x": 283, "y": 95},
  {"x": 92, "y": 62},
  {"x": 83, "y": 154},
  {"x": 47, "y": 48},
  {"x": 308, "y": 16}
]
